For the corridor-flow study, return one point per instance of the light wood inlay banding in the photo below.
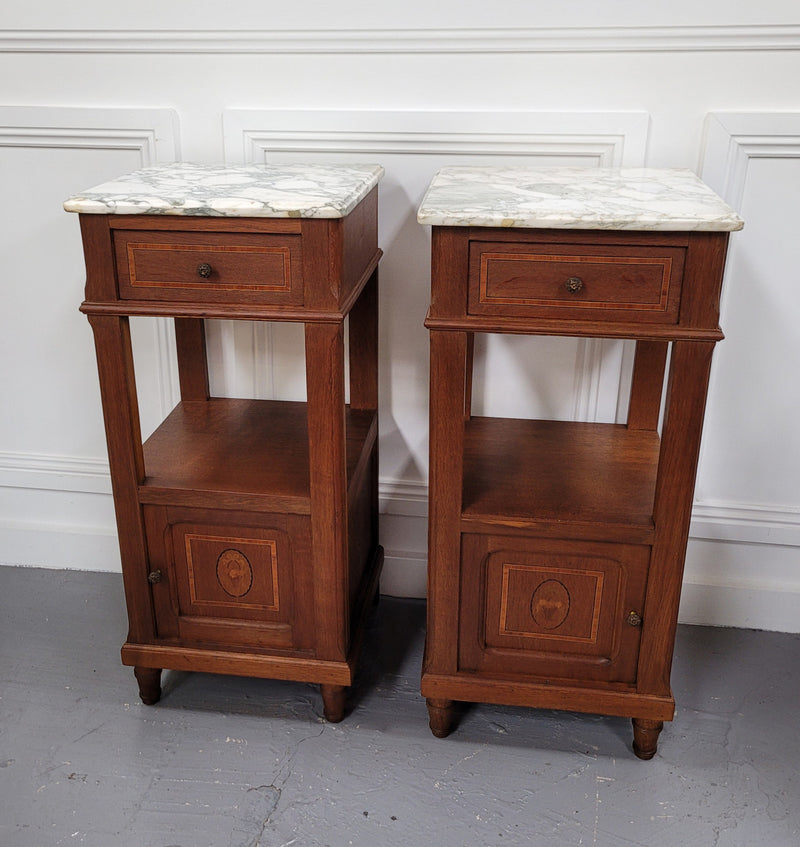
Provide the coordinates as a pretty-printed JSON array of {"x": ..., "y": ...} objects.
[
  {"x": 232, "y": 544},
  {"x": 648, "y": 297},
  {"x": 274, "y": 264},
  {"x": 509, "y": 570}
]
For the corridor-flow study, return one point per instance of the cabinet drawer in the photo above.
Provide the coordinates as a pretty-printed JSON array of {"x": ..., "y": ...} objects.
[
  {"x": 230, "y": 578},
  {"x": 578, "y": 282},
  {"x": 551, "y": 609},
  {"x": 209, "y": 267}
]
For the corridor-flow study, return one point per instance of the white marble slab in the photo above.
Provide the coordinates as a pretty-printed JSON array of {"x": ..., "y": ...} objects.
[
  {"x": 266, "y": 191},
  {"x": 575, "y": 198}
]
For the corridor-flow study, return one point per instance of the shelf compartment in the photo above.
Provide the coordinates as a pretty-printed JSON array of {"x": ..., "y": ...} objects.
[
  {"x": 243, "y": 454},
  {"x": 560, "y": 479}
]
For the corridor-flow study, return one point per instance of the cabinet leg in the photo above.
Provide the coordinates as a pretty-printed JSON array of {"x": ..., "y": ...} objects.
[
  {"x": 440, "y": 716},
  {"x": 333, "y": 701},
  {"x": 149, "y": 680},
  {"x": 645, "y": 737}
]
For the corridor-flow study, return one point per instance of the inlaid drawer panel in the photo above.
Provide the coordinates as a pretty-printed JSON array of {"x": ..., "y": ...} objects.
[
  {"x": 575, "y": 281},
  {"x": 208, "y": 266},
  {"x": 555, "y": 609},
  {"x": 230, "y": 578}
]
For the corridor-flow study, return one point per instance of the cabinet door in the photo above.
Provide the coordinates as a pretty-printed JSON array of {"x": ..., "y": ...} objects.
[
  {"x": 231, "y": 579},
  {"x": 551, "y": 609}
]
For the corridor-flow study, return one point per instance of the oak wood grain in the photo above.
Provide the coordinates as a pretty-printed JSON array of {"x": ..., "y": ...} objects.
[
  {"x": 556, "y": 548},
  {"x": 248, "y": 528},
  {"x": 569, "y": 473},
  {"x": 231, "y": 448},
  {"x": 518, "y": 279},
  {"x": 126, "y": 461},
  {"x": 190, "y": 343},
  {"x": 647, "y": 383}
]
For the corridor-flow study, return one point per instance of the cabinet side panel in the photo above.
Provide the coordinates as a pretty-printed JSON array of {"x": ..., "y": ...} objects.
[
  {"x": 101, "y": 275},
  {"x": 360, "y": 242},
  {"x": 702, "y": 279},
  {"x": 449, "y": 270},
  {"x": 322, "y": 263}
]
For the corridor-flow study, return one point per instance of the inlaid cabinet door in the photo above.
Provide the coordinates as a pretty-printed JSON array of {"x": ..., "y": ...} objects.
[
  {"x": 230, "y": 578},
  {"x": 553, "y": 609}
]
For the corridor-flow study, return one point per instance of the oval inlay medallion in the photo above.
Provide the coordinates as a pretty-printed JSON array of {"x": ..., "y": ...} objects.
[
  {"x": 234, "y": 573},
  {"x": 550, "y": 604}
]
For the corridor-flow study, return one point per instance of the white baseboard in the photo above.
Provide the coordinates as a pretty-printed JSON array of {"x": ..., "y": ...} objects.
[
  {"x": 405, "y": 574},
  {"x": 59, "y": 547},
  {"x": 740, "y": 606}
]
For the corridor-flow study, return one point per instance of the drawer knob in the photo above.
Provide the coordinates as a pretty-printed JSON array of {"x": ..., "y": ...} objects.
[
  {"x": 154, "y": 576},
  {"x": 204, "y": 270},
  {"x": 574, "y": 284},
  {"x": 634, "y": 619}
]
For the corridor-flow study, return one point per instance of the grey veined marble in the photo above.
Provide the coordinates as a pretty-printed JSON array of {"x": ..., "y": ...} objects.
[
  {"x": 266, "y": 191},
  {"x": 575, "y": 198}
]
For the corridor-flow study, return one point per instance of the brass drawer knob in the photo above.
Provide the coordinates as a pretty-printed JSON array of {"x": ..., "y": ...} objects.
[
  {"x": 154, "y": 576},
  {"x": 574, "y": 284},
  {"x": 204, "y": 270},
  {"x": 634, "y": 619}
]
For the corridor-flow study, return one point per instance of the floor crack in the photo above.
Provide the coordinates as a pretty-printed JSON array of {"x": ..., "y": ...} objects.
[{"x": 282, "y": 776}]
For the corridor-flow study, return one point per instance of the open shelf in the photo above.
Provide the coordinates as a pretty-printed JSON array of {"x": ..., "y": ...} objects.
[
  {"x": 230, "y": 453},
  {"x": 581, "y": 480}
]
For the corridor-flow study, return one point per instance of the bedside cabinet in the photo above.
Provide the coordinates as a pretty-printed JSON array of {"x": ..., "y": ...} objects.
[
  {"x": 556, "y": 548},
  {"x": 248, "y": 528}
]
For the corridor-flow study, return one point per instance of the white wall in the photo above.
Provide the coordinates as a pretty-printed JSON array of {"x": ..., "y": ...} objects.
[{"x": 91, "y": 91}]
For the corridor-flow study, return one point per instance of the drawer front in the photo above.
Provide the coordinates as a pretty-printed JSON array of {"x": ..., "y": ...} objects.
[
  {"x": 579, "y": 282},
  {"x": 209, "y": 267},
  {"x": 228, "y": 578},
  {"x": 551, "y": 609}
]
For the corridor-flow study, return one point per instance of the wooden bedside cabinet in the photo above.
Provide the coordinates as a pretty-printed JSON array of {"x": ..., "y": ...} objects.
[
  {"x": 556, "y": 548},
  {"x": 248, "y": 528}
]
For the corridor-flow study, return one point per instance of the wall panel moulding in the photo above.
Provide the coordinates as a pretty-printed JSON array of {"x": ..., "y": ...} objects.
[
  {"x": 55, "y": 484},
  {"x": 412, "y": 146},
  {"x": 600, "y": 39}
]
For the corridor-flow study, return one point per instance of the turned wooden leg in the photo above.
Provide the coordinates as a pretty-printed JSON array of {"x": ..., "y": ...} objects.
[
  {"x": 645, "y": 737},
  {"x": 149, "y": 680},
  {"x": 440, "y": 716},
  {"x": 333, "y": 702}
]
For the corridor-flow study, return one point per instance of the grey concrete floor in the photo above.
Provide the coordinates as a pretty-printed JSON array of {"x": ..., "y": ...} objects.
[{"x": 231, "y": 762}]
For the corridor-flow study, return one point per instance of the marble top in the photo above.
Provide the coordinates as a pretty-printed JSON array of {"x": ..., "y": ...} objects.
[
  {"x": 264, "y": 191},
  {"x": 575, "y": 198}
]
